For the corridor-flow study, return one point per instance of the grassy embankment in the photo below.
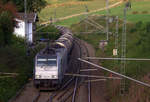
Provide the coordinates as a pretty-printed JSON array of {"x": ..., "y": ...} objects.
[
  {"x": 13, "y": 59},
  {"x": 137, "y": 47},
  {"x": 65, "y": 8},
  {"x": 139, "y": 12}
]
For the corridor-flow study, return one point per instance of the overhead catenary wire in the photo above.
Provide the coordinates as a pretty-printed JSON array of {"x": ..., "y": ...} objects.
[
  {"x": 96, "y": 80},
  {"x": 91, "y": 76},
  {"x": 127, "y": 59},
  {"x": 124, "y": 76}
]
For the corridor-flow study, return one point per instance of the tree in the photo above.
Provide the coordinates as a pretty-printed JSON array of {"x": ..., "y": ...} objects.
[
  {"x": 32, "y": 5},
  {"x": 7, "y": 23}
]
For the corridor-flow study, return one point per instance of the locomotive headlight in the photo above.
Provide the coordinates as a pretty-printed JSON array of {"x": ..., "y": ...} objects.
[
  {"x": 54, "y": 76},
  {"x": 37, "y": 76}
]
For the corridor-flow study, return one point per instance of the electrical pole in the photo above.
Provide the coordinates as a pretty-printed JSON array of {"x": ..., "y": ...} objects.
[
  {"x": 86, "y": 16},
  {"x": 25, "y": 19},
  {"x": 123, "y": 53},
  {"x": 55, "y": 15},
  {"x": 116, "y": 35},
  {"x": 107, "y": 20},
  {"x": 26, "y": 26}
]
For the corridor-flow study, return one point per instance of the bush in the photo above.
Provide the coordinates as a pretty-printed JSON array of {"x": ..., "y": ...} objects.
[
  {"x": 148, "y": 27},
  {"x": 135, "y": 12},
  {"x": 48, "y": 32},
  {"x": 6, "y": 28},
  {"x": 144, "y": 12}
]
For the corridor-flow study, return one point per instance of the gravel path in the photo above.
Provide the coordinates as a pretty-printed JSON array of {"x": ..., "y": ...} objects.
[{"x": 83, "y": 13}]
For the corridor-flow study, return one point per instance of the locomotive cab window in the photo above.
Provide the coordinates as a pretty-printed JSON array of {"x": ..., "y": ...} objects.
[{"x": 46, "y": 61}]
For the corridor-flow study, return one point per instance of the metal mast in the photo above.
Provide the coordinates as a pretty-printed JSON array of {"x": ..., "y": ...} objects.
[
  {"x": 55, "y": 15},
  {"x": 107, "y": 19},
  {"x": 26, "y": 26},
  {"x": 25, "y": 18},
  {"x": 123, "y": 53},
  {"x": 116, "y": 35},
  {"x": 86, "y": 16}
]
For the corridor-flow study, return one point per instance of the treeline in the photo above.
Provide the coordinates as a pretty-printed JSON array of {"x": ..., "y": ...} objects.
[
  {"x": 32, "y": 5},
  {"x": 7, "y": 23},
  {"x": 8, "y": 12}
]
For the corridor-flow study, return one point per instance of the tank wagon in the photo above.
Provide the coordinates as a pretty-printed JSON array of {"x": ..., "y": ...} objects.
[{"x": 52, "y": 62}]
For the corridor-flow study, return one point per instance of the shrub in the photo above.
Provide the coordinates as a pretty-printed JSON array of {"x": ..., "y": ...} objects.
[
  {"x": 148, "y": 27},
  {"x": 6, "y": 26},
  {"x": 135, "y": 12},
  {"x": 49, "y": 32},
  {"x": 144, "y": 12}
]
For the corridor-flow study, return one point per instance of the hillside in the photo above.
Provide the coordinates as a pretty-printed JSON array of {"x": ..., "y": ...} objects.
[
  {"x": 137, "y": 47},
  {"x": 62, "y": 8},
  {"x": 138, "y": 12}
]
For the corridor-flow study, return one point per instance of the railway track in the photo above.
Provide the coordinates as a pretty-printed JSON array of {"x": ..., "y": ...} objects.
[
  {"x": 69, "y": 89},
  {"x": 83, "y": 53},
  {"x": 68, "y": 92}
]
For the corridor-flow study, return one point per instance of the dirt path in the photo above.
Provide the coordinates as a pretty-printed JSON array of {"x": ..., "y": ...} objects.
[{"x": 83, "y": 13}]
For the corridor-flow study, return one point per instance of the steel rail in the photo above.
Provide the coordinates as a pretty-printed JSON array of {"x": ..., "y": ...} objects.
[
  {"x": 128, "y": 59},
  {"x": 55, "y": 93},
  {"x": 73, "y": 92},
  {"x": 89, "y": 83},
  {"x": 124, "y": 76},
  {"x": 76, "y": 81},
  {"x": 37, "y": 97}
]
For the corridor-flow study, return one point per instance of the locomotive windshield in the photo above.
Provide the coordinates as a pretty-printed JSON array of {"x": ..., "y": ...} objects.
[{"x": 46, "y": 61}]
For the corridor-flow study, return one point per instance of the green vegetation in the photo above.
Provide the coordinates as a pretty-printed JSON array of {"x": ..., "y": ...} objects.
[
  {"x": 5, "y": 31},
  {"x": 32, "y": 5},
  {"x": 7, "y": 23},
  {"x": 49, "y": 32},
  {"x": 62, "y": 8},
  {"x": 14, "y": 60},
  {"x": 137, "y": 47},
  {"x": 138, "y": 12}
]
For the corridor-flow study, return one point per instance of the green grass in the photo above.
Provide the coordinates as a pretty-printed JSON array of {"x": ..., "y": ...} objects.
[
  {"x": 137, "y": 47},
  {"x": 58, "y": 1},
  {"x": 68, "y": 10},
  {"x": 139, "y": 6}
]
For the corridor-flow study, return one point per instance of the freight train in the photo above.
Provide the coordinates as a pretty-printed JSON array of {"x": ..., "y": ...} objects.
[{"x": 52, "y": 62}]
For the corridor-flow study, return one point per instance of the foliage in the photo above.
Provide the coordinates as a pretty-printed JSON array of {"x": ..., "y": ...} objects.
[
  {"x": 7, "y": 30},
  {"x": 137, "y": 47},
  {"x": 56, "y": 9},
  {"x": 7, "y": 22},
  {"x": 14, "y": 60},
  {"x": 32, "y": 5},
  {"x": 140, "y": 6},
  {"x": 49, "y": 32}
]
